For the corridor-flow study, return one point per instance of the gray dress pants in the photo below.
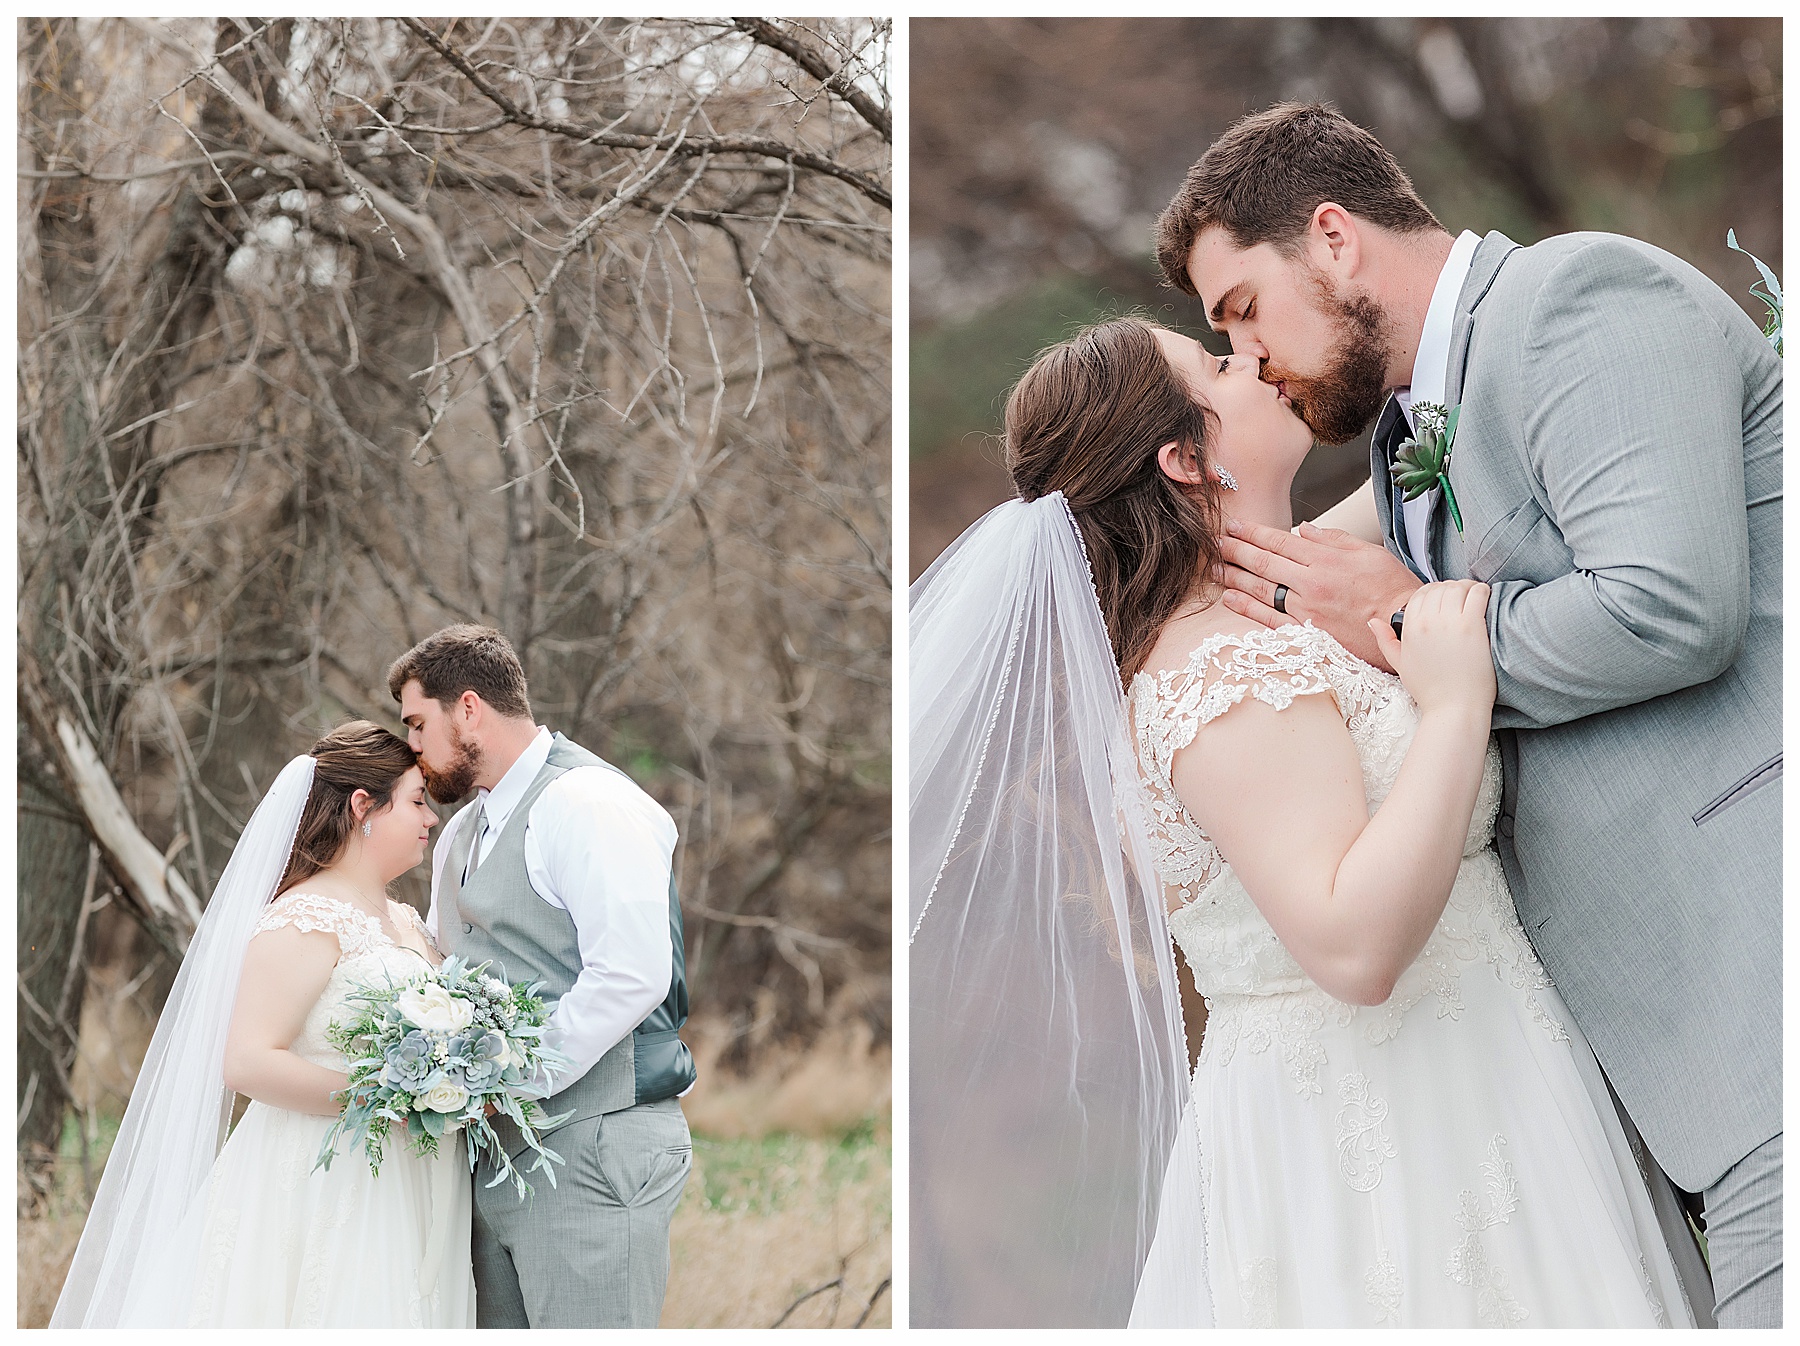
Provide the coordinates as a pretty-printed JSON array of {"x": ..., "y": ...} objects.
[
  {"x": 1743, "y": 1239},
  {"x": 593, "y": 1251}
]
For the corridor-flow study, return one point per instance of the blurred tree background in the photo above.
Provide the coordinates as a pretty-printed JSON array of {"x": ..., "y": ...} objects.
[
  {"x": 333, "y": 332},
  {"x": 1042, "y": 150}
]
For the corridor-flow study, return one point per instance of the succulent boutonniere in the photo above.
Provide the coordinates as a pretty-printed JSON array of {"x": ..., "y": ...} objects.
[{"x": 1424, "y": 460}]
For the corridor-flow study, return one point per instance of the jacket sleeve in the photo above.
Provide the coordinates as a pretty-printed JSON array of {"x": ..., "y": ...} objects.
[{"x": 1634, "y": 429}]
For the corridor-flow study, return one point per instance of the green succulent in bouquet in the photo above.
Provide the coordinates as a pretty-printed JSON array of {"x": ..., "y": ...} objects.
[
  {"x": 1424, "y": 460},
  {"x": 1769, "y": 291}
]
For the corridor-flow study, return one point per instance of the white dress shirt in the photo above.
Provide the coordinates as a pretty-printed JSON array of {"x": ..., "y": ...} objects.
[
  {"x": 601, "y": 849},
  {"x": 1431, "y": 371}
]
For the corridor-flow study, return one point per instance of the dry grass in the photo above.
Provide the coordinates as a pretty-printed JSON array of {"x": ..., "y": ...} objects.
[
  {"x": 46, "y": 1243},
  {"x": 791, "y": 1191},
  {"x": 764, "y": 1222}
]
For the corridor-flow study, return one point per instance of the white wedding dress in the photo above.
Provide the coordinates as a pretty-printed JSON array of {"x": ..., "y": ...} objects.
[
  {"x": 289, "y": 1245},
  {"x": 1449, "y": 1158}
]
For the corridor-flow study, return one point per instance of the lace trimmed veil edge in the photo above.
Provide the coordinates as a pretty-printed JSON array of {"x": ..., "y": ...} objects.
[
  {"x": 138, "y": 1253},
  {"x": 1049, "y": 1066}
]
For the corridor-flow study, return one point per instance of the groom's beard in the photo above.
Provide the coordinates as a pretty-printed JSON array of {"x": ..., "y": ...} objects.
[
  {"x": 1338, "y": 404},
  {"x": 457, "y": 779}
]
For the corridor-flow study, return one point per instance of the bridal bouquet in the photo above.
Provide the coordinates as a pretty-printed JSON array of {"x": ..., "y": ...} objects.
[{"x": 432, "y": 1053}]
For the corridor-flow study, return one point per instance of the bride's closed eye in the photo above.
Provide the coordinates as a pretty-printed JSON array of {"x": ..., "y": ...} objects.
[{"x": 1223, "y": 362}]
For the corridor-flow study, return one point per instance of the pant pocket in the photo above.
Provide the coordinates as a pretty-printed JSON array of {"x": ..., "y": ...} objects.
[
  {"x": 669, "y": 1173},
  {"x": 635, "y": 1159}
]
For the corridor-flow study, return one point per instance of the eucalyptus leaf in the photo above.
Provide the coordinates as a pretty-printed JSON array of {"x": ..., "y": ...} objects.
[{"x": 1769, "y": 291}]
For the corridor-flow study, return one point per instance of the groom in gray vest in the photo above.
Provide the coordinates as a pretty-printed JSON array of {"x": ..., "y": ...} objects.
[
  {"x": 1615, "y": 478},
  {"x": 560, "y": 872}
]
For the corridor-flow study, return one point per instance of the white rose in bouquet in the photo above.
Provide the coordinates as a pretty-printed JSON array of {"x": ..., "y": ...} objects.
[
  {"x": 433, "y": 1054},
  {"x": 444, "y": 1096},
  {"x": 434, "y": 1009}
]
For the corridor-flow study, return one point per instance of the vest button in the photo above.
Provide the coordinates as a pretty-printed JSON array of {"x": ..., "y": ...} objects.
[{"x": 468, "y": 929}]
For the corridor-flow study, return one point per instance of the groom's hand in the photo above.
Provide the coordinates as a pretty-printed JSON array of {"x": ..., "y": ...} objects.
[{"x": 1336, "y": 581}]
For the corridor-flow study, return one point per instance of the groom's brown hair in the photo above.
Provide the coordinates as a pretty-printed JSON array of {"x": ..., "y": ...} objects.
[
  {"x": 461, "y": 659},
  {"x": 1261, "y": 181}
]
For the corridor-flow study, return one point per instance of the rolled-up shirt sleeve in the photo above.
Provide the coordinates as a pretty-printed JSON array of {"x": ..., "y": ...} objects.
[{"x": 601, "y": 849}]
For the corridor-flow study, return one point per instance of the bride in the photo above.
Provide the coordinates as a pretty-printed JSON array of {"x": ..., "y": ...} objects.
[
  {"x": 1393, "y": 1119},
  {"x": 186, "y": 1232}
]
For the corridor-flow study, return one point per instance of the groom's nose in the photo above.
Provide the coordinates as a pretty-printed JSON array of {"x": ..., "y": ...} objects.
[{"x": 1243, "y": 343}]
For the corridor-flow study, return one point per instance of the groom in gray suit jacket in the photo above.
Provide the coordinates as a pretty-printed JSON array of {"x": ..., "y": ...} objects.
[{"x": 1615, "y": 478}]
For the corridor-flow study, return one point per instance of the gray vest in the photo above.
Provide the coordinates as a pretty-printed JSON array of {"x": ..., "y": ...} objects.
[{"x": 497, "y": 917}]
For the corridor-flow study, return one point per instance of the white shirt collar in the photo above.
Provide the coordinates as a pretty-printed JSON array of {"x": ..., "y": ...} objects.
[
  {"x": 1431, "y": 366},
  {"x": 498, "y": 803}
]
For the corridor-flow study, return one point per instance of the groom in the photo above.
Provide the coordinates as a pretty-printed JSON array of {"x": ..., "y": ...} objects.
[
  {"x": 560, "y": 872},
  {"x": 1616, "y": 465}
]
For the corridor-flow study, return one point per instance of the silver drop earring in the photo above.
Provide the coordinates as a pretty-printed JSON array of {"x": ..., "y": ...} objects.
[
  {"x": 1226, "y": 480},
  {"x": 368, "y": 829}
]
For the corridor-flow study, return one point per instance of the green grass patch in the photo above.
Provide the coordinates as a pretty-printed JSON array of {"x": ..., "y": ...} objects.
[{"x": 781, "y": 1171}]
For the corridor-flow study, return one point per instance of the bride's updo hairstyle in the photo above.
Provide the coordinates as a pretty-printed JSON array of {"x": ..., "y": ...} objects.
[
  {"x": 354, "y": 756},
  {"x": 1087, "y": 419}
]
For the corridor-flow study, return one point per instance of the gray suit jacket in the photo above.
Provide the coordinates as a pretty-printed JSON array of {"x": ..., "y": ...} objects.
[{"x": 1618, "y": 467}]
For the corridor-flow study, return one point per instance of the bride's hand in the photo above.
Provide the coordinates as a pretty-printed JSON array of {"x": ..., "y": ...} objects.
[{"x": 1444, "y": 659}]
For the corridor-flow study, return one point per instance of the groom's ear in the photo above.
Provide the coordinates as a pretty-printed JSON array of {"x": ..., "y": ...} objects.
[{"x": 1334, "y": 242}]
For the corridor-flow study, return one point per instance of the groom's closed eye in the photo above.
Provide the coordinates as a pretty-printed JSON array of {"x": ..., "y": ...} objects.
[{"x": 1229, "y": 300}]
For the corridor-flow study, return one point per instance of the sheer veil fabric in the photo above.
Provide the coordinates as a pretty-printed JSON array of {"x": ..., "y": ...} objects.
[
  {"x": 139, "y": 1249},
  {"x": 1049, "y": 1066}
]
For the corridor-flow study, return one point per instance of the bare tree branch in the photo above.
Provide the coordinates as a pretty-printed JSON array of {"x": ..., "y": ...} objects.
[
  {"x": 680, "y": 144},
  {"x": 839, "y": 82}
]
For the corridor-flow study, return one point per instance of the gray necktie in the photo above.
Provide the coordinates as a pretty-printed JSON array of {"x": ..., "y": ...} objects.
[
  {"x": 1389, "y": 434},
  {"x": 473, "y": 851},
  {"x": 450, "y": 890}
]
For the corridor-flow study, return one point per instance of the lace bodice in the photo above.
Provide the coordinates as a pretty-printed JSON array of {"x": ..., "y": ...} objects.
[
  {"x": 1274, "y": 667},
  {"x": 367, "y": 956},
  {"x": 1230, "y": 947}
]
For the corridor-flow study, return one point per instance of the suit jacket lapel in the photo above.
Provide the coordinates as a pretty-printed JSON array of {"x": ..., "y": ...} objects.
[
  {"x": 1484, "y": 267},
  {"x": 1443, "y": 543}
]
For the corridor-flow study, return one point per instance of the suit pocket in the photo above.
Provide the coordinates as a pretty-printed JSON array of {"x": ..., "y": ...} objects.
[
  {"x": 640, "y": 1155},
  {"x": 669, "y": 1172},
  {"x": 1499, "y": 544},
  {"x": 1766, "y": 774}
]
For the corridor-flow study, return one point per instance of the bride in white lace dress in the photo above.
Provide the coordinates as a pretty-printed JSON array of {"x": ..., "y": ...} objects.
[
  {"x": 1428, "y": 1149},
  {"x": 261, "y": 1237},
  {"x": 1397, "y": 1123}
]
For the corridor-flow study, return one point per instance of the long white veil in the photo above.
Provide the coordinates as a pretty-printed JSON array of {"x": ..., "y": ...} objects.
[
  {"x": 1049, "y": 1066},
  {"x": 139, "y": 1249}
]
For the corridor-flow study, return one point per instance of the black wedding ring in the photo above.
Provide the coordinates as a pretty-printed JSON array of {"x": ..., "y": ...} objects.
[
  {"x": 1397, "y": 621},
  {"x": 1281, "y": 593}
]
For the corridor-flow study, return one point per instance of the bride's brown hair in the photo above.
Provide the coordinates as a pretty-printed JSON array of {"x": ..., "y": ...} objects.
[
  {"x": 1087, "y": 419},
  {"x": 354, "y": 756}
]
